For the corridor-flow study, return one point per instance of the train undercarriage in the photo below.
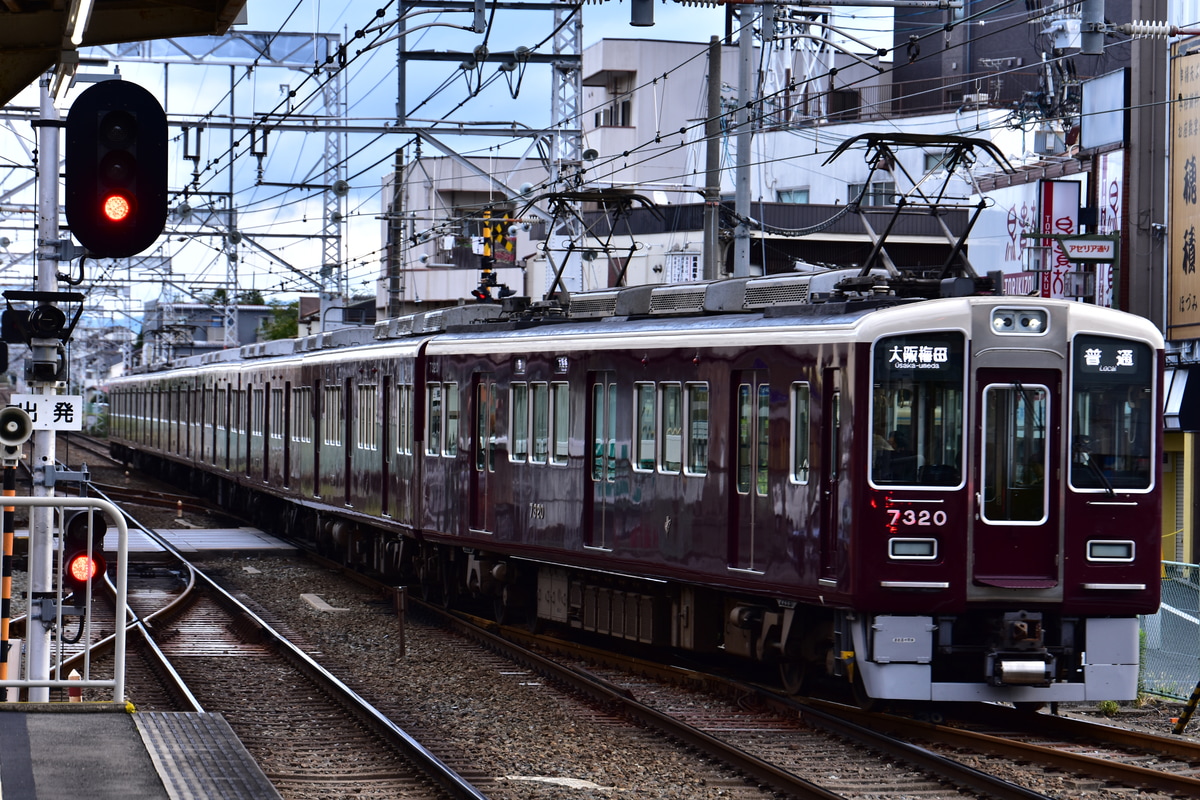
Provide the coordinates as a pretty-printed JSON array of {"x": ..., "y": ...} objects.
[{"x": 1020, "y": 656}]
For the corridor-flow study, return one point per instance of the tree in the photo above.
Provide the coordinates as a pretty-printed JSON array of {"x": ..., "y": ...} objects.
[{"x": 284, "y": 322}]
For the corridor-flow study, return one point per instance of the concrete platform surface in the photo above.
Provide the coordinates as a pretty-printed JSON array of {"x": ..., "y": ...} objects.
[{"x": 104, "y": 751}]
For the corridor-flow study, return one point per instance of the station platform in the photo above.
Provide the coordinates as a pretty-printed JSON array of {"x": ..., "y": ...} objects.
[
  {"x": 107, "y": 751},
  {"x": 198, "y": 542},
  {"x": 202, "y": 541}
]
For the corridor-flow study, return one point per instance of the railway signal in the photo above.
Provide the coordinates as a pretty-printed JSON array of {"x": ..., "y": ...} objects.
[
  {"x": 80, "y": 569},
  {"x": 116, "y": 169},
  {"x": 82, "y": 562}
]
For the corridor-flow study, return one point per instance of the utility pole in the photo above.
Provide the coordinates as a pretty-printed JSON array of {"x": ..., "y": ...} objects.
[
  {"x": 741, "y": 198},
  {"x": 1143, "y": 278},
  {"x": 712, "y": 164}
]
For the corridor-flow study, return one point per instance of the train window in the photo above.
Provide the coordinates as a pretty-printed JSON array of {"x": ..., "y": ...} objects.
[
  {"x": 404, "y": 420},
  {"x": 1014, "y": 452},
  {"x": 450, "y": 404},
  {"x": 302, "y": 418},
  {"x": 647, "y": 433},
  {"x": 560, "y": 403},
  {"x": 331, "y": 416},
  {"x": 239, "y": 413},
  {"x": 604, "y": 426},
  {"x": 800, "y": 432},
  {"x": 697, "y": 416},
  {"x": 433, "y": 413},
  {"x": 520, "y": 422},
  {"x": 367, "y": 431},
  {"x": 539, "y": 403},
  {"x": 753, "y": 405},
  {"x": 672, "y": 428},
  {"x": 276, "y": 415},
  {"x": 917, "y": 410},
  {"x": 1112, "y": 414},
  {"x": 258, "y": 402}
]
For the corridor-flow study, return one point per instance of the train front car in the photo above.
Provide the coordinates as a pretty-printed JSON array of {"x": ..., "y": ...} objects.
[{"x": 1010, "y": 534}]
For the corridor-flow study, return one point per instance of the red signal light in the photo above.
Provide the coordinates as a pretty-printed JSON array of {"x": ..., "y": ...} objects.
[
  {"x": 117, "y": 208},
  {"x": 82, "y": 568}
]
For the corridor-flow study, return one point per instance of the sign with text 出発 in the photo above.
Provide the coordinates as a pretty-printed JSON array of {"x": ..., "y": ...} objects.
[{"x": 51, "y": 412}]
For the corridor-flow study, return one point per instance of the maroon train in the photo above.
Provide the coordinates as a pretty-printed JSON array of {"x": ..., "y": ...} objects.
[{"x": 944, "y": 499}]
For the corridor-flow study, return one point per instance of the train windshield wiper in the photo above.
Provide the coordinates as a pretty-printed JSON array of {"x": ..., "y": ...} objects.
[{"x": 1082, "y": 448}]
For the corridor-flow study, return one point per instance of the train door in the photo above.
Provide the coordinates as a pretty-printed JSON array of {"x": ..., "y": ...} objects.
[
  {"x": 1016, "y": 543},
  {"x": 752, "y": 503},
  {"x": 830, "y": 472},
  {"x": 483, "y": 452},
  {"x": 386, "y": 443},
  {"x": 602, "y": 417}
]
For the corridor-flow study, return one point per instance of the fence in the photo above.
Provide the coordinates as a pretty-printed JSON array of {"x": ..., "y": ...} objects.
[{"x": 1171, "y": 638}]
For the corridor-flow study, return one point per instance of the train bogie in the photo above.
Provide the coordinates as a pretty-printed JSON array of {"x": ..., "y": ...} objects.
[{"x": 947, "y": 499}]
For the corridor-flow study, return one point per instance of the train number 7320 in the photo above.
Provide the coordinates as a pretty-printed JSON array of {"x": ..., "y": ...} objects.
[{"x": 921, "y": 519}]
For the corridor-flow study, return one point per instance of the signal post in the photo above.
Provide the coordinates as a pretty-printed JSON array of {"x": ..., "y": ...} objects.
[{"x": 116, "y": 206}]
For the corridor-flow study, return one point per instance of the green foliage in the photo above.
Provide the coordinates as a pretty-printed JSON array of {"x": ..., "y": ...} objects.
[
  {"x": 284, "y": 322},
  {"x": 1108, "y": 708}
]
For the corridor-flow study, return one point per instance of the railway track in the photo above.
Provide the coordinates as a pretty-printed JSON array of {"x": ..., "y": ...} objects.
[
  {"x": 200, "y": 648},
  {"x": 761, "y": 735}
]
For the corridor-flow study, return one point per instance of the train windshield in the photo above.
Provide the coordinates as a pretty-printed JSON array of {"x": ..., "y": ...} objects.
[
  {"x": 917, "y": 412},
  {"x": 1111, "y": 414}
]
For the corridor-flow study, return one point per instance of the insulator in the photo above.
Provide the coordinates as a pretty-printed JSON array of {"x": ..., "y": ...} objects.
[{"x": 1147, "y": 28}]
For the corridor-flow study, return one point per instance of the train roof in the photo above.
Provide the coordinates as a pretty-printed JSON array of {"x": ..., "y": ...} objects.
[{"x": 622, "y": 317}]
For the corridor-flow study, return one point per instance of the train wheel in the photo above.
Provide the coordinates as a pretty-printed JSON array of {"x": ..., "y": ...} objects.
[
  {"x": 861, "y": 699},
  {"x": 792, "y": 673}
]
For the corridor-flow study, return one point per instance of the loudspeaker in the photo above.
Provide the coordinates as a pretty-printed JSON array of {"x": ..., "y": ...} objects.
[{"x": 15, "y": 426}]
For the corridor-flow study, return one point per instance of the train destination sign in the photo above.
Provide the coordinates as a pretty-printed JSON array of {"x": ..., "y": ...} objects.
[
  {"x": 1100, "y": 355},
  {"x": 51, "y": 412}
]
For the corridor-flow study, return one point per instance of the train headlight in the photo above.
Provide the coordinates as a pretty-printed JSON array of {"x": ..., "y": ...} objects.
[{"x": 1017, "y": 321}]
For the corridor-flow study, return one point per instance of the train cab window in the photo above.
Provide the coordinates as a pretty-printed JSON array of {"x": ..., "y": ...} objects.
[
  {"x": 540, "y": 406},
  {"x": 800, "y": 432},
  {"x": 560, "y": 405},
  {"x": 520, "y": 422},
  {"x": 671, "y": 458},
  {"x": 645, "y": 408},
  {"x": 697, "y": 435},
  {"x": 1112, "y": 414},
  {"x": 450, "y": 395},
  {"x": 917, "y": 411},
  {"x": 1014, "y": 453}
]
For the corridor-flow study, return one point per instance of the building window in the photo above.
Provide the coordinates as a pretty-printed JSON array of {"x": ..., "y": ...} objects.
[
  {"x": 881, "y": 193},
  {"x": 793, "y": 195}
]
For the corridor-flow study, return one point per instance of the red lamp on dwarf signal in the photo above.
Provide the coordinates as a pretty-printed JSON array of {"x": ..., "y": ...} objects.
[
  {"x": 81, "y": 568},
  {"x": 82, "y": 565},
  {"x": 116, "y": 169}
]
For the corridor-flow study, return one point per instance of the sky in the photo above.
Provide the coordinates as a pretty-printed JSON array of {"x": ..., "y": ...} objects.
[{"x": 278, "y": 254}]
